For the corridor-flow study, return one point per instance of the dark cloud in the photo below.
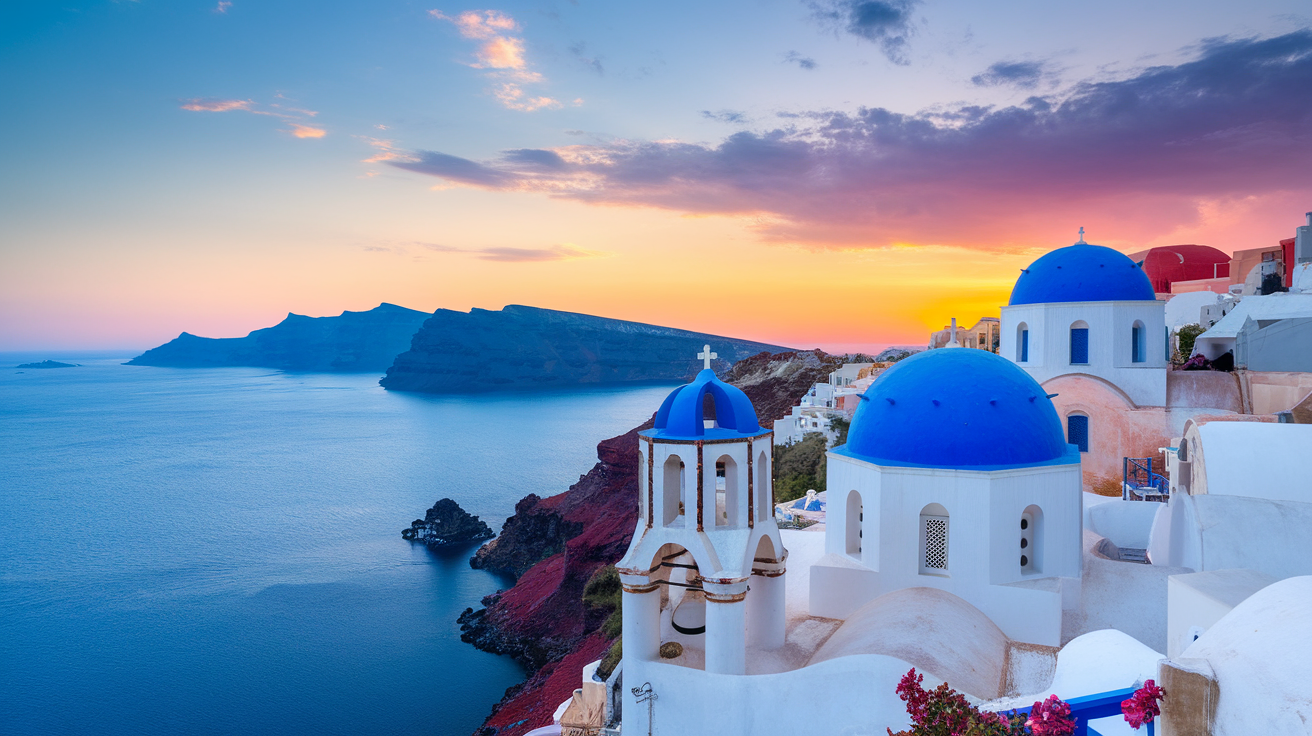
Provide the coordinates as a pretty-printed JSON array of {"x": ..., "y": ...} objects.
[
  {"x": 535, "y": 158},
  {"x": 886, "y": 23},
  {"x": 726, "y": 116},
  {"x": 1234, "y": 123},
  {"x": 580, "y": 52},
  {"x": 1022, "y": 74},
  {"x": 804, "y": 62}
]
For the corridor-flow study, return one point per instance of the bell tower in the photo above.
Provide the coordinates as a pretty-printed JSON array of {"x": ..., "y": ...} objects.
[{"x": 706, "y": 566}]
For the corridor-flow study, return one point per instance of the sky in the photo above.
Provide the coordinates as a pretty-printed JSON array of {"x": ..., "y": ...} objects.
[{"x": 844, "y": 174}]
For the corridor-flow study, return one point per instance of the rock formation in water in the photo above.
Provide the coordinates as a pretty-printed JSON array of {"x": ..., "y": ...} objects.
[
  {"x": 447, "y": 525},
  {"x": 49, "y": 364},
  {"x": 560, "y": 541},
  {"x": 351, "y": 342},
  {"x": 527, "y": 347}
]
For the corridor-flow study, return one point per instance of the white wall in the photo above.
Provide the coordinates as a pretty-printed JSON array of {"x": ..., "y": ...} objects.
[
  {"x": 1195, "y": 601},
  {"x": 1110, "y": 344}
]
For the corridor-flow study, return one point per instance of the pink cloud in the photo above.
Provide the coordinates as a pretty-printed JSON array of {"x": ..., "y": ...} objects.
[
  {"x": 204, "y": 105},
  {"x": 503, "y": 55},
  {"x": 306, "y": 131},
  {"x": 1139, "y": 159}
]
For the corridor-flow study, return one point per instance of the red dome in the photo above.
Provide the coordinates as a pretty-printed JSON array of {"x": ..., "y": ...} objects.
[{"x": 1170, "y": 263}]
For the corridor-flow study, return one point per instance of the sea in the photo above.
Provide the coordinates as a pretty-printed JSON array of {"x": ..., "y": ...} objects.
[{"x": 219, "y": 551}]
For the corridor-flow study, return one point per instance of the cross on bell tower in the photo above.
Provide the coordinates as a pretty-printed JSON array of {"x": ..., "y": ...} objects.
[{"x": 707, "y": 356}]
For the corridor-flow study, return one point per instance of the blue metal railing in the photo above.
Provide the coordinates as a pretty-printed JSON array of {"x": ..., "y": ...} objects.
[
  {"x": 1101, "y": 705},
  {"x": 1137, "y": 477}
]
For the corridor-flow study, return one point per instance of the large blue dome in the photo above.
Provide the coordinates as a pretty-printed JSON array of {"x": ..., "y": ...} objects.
[
  {"x": 1082, "y": 273},
  {"x": 682, "y": 415},
  {"x": 957, "y": 408}
]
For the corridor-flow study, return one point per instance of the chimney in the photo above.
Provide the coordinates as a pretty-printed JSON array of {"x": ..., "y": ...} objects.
[{"x": 1302, "y": 244}]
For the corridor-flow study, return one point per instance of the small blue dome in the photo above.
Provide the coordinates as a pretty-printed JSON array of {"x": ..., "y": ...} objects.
[
  {"x": 957, "y": 408},
  {"x": 681, "y": 414},
  {"x": 1082, "y": 273}
]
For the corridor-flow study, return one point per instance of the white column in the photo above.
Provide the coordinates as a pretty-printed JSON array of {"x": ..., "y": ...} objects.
[
  {"x": 765, "y": 611},
  {"x": 726, "y": 630},
  {"x": 642, "y": 622}
]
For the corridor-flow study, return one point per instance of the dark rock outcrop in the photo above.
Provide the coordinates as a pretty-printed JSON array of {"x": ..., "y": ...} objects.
[
  {"x": 445, "y": 525},
  {"x": 528, "y": 348},
  {"x": 49, "y": 364},
  {"x": 543, "y": 621},
  {"x": 350, "y": 342}
]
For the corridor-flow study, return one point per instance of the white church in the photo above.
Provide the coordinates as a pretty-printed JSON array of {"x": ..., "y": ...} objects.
[{"x": 959, "y": 541}]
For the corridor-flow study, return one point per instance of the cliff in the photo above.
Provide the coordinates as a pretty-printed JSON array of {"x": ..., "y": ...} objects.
[
  {"x": 555, "y": 544},
  {"x": 527, "y": 348},
  {"x": 350, "y": 342}
]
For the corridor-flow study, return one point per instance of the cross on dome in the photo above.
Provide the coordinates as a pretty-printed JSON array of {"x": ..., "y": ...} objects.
[
  {"x": 707, "y": 356},
  {"x": 1081, "y": 234}
]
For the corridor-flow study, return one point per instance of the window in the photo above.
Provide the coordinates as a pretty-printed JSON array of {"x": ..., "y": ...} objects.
[
  {"x": 1022, "y": 343},
  {"x": 1138, "y": 345},
  {"x": 933, "y": 540},
  {"x": 1077, "y": 431},
  {"x": 1031, "y": 540},
  {"x": 855, "y": 516},
  {"x": 1079, "y": 344}
]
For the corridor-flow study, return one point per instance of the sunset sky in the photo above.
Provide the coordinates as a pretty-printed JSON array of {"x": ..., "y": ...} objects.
[{"x": 836, "y": 173}]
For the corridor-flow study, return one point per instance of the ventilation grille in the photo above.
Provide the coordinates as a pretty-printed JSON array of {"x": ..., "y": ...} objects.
[{"x": 936, "y": 542}]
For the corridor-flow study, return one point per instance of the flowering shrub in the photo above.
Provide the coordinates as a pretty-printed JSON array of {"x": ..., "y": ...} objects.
[
  {"x": 1051, "y": 717},
  {"x": 1142, "y": 707},
  {"x": 945, "y": 712}
]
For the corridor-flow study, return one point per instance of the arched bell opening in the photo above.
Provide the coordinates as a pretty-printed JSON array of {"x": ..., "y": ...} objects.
[
  {"x": 672, "y": 486},
  {"x": 727, "y": 492}
]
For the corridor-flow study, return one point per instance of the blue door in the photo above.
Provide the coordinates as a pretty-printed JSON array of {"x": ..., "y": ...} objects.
[
  {"x": 1077, "y": 431},
  {"x": 1024, "y": 346},
  {"x": 1079, "y": 345}
]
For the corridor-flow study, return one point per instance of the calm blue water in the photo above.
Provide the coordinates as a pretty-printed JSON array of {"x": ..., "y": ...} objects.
[{"x": 219, "y": 551}]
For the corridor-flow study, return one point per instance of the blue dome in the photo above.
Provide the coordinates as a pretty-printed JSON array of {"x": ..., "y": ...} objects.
[
  {"x": 957, "y": 408},
  {"x": 681, "y": 414},
  {"x": 1082, "y": 273}
]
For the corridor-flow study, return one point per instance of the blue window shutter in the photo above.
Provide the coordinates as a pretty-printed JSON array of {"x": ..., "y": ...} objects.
[
  {"x": 1080, "y": 345},
  {"x": 1077, "y": 431},
  {"x": 1136, "y": 350},
  {"x": 1024, "y": 346}
]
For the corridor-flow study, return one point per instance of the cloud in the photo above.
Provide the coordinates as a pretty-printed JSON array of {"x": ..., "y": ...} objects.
[
  {"x": 885, "y": 23},
  {"x": 206, "y": 105},
  {"x": 1141, "y": 151},
  {"x": 307, "y": 131},
  {"x": 293, "y": 116},
  {"x": 1022, "y": 74},
  {"x": 792, "y": 57},
  {"x": 579, "y": 50},
  {"x": 561, "y": 252},
  {"x": 501, "y": 54},
  {"x": 726, "y": 116},
  {"x": 223, "y": 6}
]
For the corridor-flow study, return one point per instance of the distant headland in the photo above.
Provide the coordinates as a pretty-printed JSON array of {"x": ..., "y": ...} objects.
[
  {"x": 350, "y": 342},
  {"x": 49, "y": 364},
  {"x": 531, "y": 348}
]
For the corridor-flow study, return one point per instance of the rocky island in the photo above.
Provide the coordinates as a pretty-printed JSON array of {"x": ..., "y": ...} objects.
[
  {"x": 350, "y": 342},
  {"x": 447, "y": 525},
  {"x": 49, "y": 364},
  {"x": 530, "y": 348}
]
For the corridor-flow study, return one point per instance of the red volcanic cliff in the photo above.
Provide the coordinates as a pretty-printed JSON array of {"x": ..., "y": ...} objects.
[{"x": 555, "y": 545}]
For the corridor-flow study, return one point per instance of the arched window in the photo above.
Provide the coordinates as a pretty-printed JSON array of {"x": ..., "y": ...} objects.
[
  {"x": 764, "y": 507},
  {"x": 643, "y": 490},
  {"x": 1080, "y": 343},
  {"x": 934, "y": 540},
  {"x": 855, "y": 519},
  {"x": 672, "y": 490},
  {"x": 726, "y": 492},
  {"x": 1022, "y": 343},
  {"x": 1077, "y": 431},
  {"x": 1031, "y": 540},
  {"x": 1138, "y": 343}
]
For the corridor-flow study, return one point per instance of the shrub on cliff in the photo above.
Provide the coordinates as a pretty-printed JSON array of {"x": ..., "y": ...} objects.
[
  {"x": 799, "y": 467},
  {"x": 603, "y": 593}
]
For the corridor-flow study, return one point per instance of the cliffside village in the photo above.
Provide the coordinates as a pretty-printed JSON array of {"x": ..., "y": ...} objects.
[{"x": 1103, "y": 486}]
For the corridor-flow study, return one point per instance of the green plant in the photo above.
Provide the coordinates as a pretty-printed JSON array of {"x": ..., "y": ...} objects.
[
  {"x": 799, "y": 467},
  {"x": 1185, "y": 337},
  {"x": 604, "y": 592},
  {"x": 840, "y": 426},
  {"x": 611, "y": 659}
]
